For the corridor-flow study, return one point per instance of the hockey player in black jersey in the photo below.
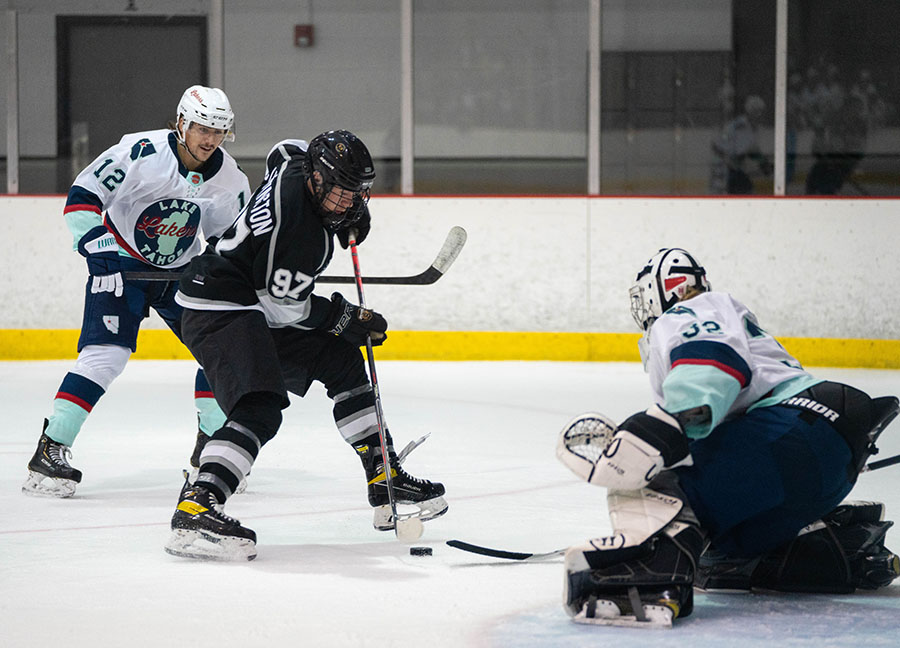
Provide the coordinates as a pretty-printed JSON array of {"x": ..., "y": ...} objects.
[{"x": 255, "y": 325}]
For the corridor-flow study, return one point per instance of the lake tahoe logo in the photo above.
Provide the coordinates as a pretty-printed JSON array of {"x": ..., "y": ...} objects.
[{"x": 166, "y": 229}]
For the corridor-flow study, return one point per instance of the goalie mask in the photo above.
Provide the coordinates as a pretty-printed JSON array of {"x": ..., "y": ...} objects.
[
  {"x": 662, "y": 282},
  {"x": 206, "y": 106},
  {"x": 341, "y": 173}
]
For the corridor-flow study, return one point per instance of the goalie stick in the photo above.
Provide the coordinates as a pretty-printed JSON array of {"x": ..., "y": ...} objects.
[
  {"x": 453, "y": 244},
  {"x": 501, "y": 553}
]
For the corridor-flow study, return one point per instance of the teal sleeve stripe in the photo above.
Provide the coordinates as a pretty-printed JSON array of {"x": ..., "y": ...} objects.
[
  {"x": 80, "y": 222},
  {"x": 690, "y": 386},
  {"x": 785, "y": 390}
]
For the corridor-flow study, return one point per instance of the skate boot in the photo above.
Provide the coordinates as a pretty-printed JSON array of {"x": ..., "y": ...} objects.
[
  {"x": 415, "y": 498},
  {"x": 49, "y": 472},
  {"x": 201, "y": 530},
  {"x": 199, "y": 444}
]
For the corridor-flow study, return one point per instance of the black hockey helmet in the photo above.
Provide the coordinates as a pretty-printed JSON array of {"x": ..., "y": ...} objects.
[{"x": 341, "y": 161}]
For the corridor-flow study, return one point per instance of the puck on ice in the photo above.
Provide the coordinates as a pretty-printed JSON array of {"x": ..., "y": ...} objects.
[{"x": 420, "y": 551}]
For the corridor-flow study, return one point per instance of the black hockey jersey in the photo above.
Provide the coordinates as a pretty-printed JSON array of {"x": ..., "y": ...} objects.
[{"x": 268, "y": 260}]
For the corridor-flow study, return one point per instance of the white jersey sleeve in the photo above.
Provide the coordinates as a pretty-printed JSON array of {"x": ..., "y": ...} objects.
[{"x": 711, "y": 351}]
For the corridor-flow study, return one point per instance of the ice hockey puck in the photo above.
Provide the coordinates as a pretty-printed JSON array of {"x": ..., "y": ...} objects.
[{"x": 420, "y": 551}]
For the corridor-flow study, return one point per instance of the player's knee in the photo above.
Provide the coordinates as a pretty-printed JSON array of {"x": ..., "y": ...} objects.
[
  {"x": 346, "y": 372},
  {"x": 101, "y": 363},
  {"x": 259, "y": 412}
]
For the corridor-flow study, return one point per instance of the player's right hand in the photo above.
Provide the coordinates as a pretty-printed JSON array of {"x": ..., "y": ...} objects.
[
  {"x": 101, "y": 251},
  {"x": 355, "y": 324}
]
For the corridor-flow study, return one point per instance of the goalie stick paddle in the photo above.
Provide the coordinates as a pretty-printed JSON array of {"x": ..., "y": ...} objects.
[
  {"x": 500, "y": 553},
  {"x": 453, "y": 244}
]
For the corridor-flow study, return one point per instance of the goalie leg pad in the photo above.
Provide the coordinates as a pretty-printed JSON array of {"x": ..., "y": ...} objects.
[
  {"x": 841, "y": 553},
  {"x": 658, "y": 572},
  {"x": 635, "y": 572}
]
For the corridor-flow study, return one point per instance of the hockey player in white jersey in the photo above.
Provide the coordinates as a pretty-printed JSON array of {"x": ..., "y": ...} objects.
[
  {"x": 141, "y": 205},
  {"x": 734, "y": 478}
]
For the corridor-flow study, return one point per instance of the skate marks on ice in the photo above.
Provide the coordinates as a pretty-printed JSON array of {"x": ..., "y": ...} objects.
[{"x": 735, "y": 620}]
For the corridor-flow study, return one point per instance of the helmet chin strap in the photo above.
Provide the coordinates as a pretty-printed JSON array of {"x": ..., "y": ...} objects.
[{"x": 183, "y": 141}]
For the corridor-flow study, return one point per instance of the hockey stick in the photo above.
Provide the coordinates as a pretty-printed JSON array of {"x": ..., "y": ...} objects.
[
  {"x": 881, "y": 463},
  {"x": 456, "y": 239},
  {"x": 500, "y": 553},
  {"x": 379, "y": 413},
  {"x": 516, "y": 555}
]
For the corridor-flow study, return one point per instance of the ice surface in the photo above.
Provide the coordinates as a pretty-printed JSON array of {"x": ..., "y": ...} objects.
[{"x": 91, "y": 571}]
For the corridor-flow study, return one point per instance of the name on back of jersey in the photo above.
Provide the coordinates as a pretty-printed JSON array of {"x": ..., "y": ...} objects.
[{"x": 260, "y": 216}]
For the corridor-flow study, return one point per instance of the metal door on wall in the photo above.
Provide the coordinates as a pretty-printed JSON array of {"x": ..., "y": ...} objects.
[{"x": 121, "y": 74}]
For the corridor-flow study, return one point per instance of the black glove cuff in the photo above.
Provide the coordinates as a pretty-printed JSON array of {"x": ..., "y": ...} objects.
[{"x": 668, "y": 439}]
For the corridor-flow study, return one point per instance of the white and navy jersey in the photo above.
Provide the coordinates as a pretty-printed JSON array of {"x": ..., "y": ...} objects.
[
  {"x": 153, "y": 205},
  {"x": 710, "y": 350},
  {"x": 268, "y": 260}
]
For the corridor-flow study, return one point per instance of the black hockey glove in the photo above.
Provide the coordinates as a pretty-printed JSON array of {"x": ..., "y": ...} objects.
[
  {"x": 354, "y": 324},
  {"x": 100, "y": 249},
  {"x": 362, "y": 225}
]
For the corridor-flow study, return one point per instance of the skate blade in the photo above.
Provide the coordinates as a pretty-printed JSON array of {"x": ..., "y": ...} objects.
[
  {"x": 187, "y": 543},
  {"x": 191, "y": 477},
  {"x": 607, "y": 613},
  {"x": 43, "y": 486},
  {"x": 424, "y": 511}
]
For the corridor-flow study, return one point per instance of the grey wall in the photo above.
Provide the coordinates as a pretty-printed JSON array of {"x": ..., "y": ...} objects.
[{"x": 488, "y": 74}]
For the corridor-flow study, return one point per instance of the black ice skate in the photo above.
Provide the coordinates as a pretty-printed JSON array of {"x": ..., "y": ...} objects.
[
  {"x": 201, "y": 530},
  {"x": 199, "y": 444},
  {"x": 49, "y": 472},
  {"x": 425, "y": 496}
]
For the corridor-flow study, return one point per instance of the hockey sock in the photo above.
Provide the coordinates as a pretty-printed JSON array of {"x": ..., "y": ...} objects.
[
  {"x": 229, "y": 455},
  {"x": 209, "y": 415},
  {"x": 354, "y": 414},
  {"x": 75, "y": 399}
]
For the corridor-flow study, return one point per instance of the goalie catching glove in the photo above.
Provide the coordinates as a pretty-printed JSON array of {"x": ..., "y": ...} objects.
[
  {"x": 100, "y": 249},
  {"x": 354, "y": 324},
  {"x": 633, "y": 454}
]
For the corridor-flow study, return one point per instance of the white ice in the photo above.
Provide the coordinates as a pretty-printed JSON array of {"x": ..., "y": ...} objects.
[{"x": 91, "y": 571}]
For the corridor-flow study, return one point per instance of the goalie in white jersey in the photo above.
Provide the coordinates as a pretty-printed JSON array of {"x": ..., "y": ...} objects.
[
  {"x": 744, "y": 458},
  {"x": 141, "y": 205}
]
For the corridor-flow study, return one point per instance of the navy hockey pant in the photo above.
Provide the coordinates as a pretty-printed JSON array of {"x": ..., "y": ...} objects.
[{"x": 758, "y": 479}]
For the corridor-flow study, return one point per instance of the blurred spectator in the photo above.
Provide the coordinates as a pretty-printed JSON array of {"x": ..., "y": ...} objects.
[
  {"x": 842, "y": 122},
  {"x": 735, "y": 148}
]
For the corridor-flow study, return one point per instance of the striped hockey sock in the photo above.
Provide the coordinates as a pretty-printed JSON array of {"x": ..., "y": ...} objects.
[{"x": 75, "y": 399}]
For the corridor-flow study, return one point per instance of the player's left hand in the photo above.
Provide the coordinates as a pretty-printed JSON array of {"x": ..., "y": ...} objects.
[
  {"x": 362, "y": 225},
  {"x": 644, "y": 444}
]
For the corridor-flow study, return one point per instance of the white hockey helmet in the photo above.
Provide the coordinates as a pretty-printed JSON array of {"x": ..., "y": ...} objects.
[
  {"x": 662, "y": 282},
  {"x": 207, "y": 106}
]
